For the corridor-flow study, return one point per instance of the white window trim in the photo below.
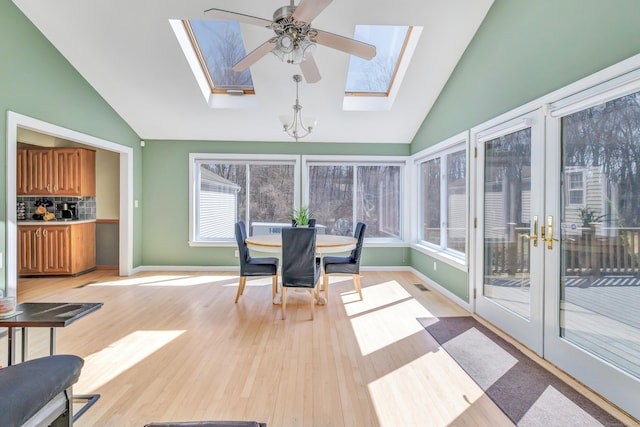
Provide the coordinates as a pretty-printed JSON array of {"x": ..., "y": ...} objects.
[
  {"x": 241, "y": 158},
  {"x": 440, "y": 150},
  {"x": 332, "y": 160},
  {"x": 569, "y": 190}
]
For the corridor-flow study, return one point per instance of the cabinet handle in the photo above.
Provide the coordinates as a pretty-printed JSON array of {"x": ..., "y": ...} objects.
[
  {"x": 55, "y": 187},
  {"x": 44, "y": 233},
  {"x": 49, "y": 188}
]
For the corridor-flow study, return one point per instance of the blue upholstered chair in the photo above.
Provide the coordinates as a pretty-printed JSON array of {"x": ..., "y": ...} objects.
[
  {"x": 345, "y": 265},
  {"x": 300, "y": 267},
  {"x": 249, "y": 266}
]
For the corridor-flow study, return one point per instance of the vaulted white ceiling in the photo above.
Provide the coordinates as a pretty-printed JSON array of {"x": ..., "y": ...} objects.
[{"x": 129, "y": 53}]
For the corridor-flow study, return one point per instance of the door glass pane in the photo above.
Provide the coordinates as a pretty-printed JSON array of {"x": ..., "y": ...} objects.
[
  {"x": 600, "y": 280},
  {"x": 507, "y": 216}
]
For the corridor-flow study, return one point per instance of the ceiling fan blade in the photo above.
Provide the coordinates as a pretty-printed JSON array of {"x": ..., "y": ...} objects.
[
  {"x": 310, "y": 70},
  {"x": 345, "y": 44},
  {"x": 254, "y": 55},
  {"x": 225, "y": 15},
  {"x": 307, "y": 10}
]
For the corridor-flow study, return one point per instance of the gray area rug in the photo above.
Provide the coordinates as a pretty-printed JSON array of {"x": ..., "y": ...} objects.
[{"x": 527, "y": 393}]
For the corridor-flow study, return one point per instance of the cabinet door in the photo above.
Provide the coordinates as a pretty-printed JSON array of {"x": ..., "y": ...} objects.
[
  {"x": 56, "y": 249},
  {"x": 67, "y": 172},
  {"x": 29, "y": 250},
  {"x": 22, "y": 173},
  {"x": 39, "y": 166}
]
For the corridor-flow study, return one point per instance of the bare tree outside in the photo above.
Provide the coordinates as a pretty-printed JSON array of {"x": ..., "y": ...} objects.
[
  {"x": 221, "y": 45},
  {"x": 341, "y": 195},
  {"x": 266, "y": 192}
]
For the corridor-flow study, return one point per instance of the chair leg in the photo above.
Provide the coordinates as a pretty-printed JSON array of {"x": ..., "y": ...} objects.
[
  {"x": 274, "y": 287},
  {"x": 283, "y": 306},
  {"x": 325, "y": 285},
  {"x": 312, "y": 294},
  {"x": 241, "y": 283},
  {"x": 356, "y": 282}
]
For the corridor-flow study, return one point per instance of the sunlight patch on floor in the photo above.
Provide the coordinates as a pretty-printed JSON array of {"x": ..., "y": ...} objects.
[
  {"x": 105, "y": 365},
  {"x": 252, "y": 282},
  {"x": 416, "y": 411},
  {"x": 373, "y": 297},
  {"x": 386, "y": 315},
  {"x": 166, "y": 281}
]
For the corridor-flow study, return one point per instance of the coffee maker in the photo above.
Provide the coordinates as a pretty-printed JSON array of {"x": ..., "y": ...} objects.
[{"x": 67, "y": 210}]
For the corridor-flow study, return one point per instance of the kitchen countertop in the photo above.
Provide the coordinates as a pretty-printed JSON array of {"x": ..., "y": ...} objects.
[{"x": 54, "y": 221}]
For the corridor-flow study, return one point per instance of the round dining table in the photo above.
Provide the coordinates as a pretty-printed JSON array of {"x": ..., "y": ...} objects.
[{"x": 325, "y": 244}]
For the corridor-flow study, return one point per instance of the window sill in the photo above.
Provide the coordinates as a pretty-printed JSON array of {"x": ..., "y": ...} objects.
[
  {"x": 227, "y": 244},
  {"x": 443, "y": 256}
]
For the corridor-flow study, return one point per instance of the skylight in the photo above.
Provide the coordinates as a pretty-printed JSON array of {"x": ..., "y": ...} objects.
[
  {"x": 375, "y": 77},
  {"x": 219, "y": 46}
]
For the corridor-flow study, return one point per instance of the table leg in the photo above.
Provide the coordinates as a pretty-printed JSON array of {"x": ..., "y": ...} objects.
[
  {"x": 25, "y": 344},
  {"x": 11, "y": 349},
  {"x": 52, "y": 341}
]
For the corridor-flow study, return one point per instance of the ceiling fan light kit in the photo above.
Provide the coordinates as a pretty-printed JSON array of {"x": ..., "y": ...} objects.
[
  {"x": 295, "y": 40},
  {"x": 295, "y": 125}
]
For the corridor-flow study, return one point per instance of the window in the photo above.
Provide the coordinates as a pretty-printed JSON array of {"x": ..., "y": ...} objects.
[
  {"x": 443, "y": 198},
  {"x": 342, "y": 194},
  {"x": 374, "y": 77},
  {"x": 219, "y": 46},
  {"x": 225, "y": 189},
  {"x": 575, "y": 188},
  {"x": 372, "y": 85}
]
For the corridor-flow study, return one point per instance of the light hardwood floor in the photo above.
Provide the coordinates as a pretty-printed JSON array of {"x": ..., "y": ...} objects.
[{"x": 171, "y": 346}]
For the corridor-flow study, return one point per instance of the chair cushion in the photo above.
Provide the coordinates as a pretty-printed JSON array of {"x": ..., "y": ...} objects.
[
  {"x": 338, "y": 264},
  {"x": 260, "y": 267},
  {"x": 26, "y": 387}
]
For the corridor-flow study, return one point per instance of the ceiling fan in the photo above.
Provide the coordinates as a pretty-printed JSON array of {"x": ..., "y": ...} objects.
[{"x": 295, "y": 40}]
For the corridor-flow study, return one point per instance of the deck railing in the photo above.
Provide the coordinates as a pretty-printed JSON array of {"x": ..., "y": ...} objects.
[{"x": 586, "y": 251}]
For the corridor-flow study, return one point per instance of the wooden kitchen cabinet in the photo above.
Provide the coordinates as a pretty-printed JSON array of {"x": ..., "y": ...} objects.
[
  {"x": 56, "y": 249},
  {"x": 56, "y": 172}
]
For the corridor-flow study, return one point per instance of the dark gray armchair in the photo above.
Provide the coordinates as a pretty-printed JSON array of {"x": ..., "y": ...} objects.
[
  {"x": 249, "y": 266},
  {"x": 300, "y": 267},
  {"x": 345, "y": 265}
]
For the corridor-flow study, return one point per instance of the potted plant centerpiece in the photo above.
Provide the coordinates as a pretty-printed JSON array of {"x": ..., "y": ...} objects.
[{"x": 301, "y": 216}]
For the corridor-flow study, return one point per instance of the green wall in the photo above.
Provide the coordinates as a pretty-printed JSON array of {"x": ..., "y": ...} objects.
[
  {"x": 525, "y": 49},
  {"x": 165, "y": 204},
  {"x": 36, "y": 81}
]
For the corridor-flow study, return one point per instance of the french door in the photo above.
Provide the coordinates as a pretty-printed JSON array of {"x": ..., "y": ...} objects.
[
  {"x": 510, "y": 215},
  {"x": 557, "y": 243},
  {"x": 592, "y": 291}
]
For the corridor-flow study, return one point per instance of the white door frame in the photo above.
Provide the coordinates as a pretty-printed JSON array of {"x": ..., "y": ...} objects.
[
  {"x": 16, "y": 120},
  {"x": 528, "y": 331}
]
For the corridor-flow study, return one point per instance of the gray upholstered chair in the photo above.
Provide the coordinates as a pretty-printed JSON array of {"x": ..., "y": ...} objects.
[
  {"x": 38, "y": 392},
  {"x": 345, "y": 265},
  {"x": 300, "y": 267},
  {"x": 249, "y": 266}
]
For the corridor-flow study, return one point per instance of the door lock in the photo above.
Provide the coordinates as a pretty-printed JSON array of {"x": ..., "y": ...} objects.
[{"x": 549, "y": 240}]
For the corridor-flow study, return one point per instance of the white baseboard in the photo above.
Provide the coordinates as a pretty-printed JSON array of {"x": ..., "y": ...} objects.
[
  {"x": 444, "y": 291},
  {"x": 183, "y": 268}
]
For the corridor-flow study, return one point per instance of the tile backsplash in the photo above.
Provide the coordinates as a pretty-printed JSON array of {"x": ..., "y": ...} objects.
[{"x": 86, "y": 206}]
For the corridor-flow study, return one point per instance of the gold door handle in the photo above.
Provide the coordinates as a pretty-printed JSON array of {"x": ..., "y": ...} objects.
[
  {"x": 549, "y": 240},
  {"x": 534, "y": 236}
]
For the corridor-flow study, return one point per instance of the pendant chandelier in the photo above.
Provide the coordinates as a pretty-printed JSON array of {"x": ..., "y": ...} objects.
[{"x": 297, "y": 126}]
